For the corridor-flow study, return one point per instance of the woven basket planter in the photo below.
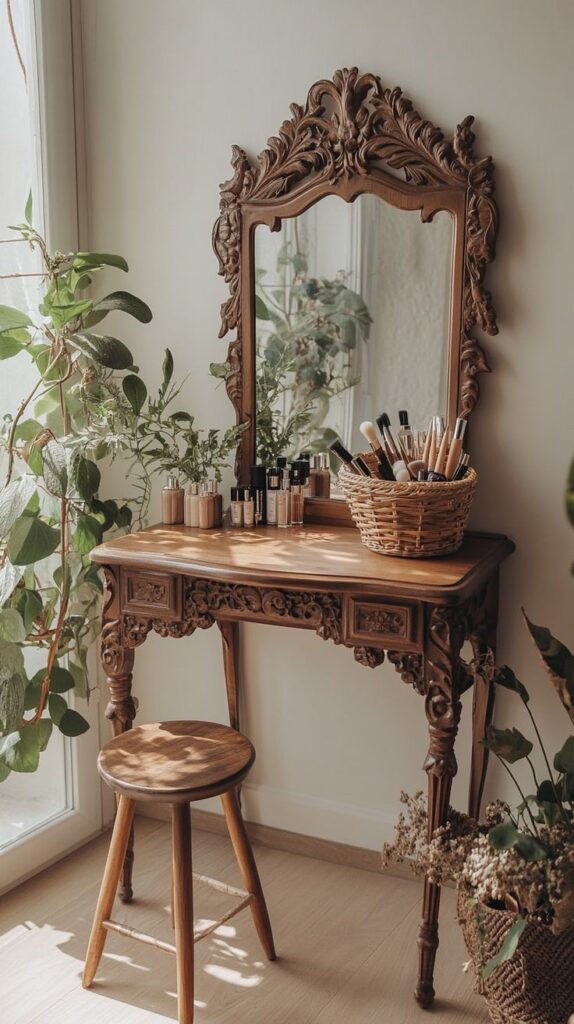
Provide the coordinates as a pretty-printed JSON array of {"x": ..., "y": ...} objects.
[
  {"x": 536, "y": 986},
  {"x": 411, "y": 520}
]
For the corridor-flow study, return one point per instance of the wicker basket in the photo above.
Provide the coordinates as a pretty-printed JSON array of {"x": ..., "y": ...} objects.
[
  {"x": 536, "y": 986},
  {"x": 411, "y": 520}
]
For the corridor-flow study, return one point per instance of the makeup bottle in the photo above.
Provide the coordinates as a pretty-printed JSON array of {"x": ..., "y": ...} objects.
[
  {"x": 206, "y": 506},
  {"x": 297, "y": 498},
  {"x": 259, "y": 491},
  {"x": 191, "y": 506},
  {"x": 385, "y": 467},
  {"x": 320, "y": 476},
  {"x": 273, "y": 478},
  {"x": 172, "y": 502},
  {"x": 304, "y": 463},
  {"x": 406, "y": 436},
  {"x": 455, "y": 449},
  {"x": 248, "y": 508},
  {"x": 281, "y": 463},
  {"x": 217, "y": 503},
  {"x": 236, "y": 506},
  {"x": 284, "y": 500}
]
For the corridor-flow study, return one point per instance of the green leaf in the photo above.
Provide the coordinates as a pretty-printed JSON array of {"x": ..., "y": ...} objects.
[
  {"x": 11, "y": 319},
  {"x": 564, "y": 760},
  {"x": 66, "y": 312},
  {"x": 559, "y": 662},
  {"x": 29, "y": 604},
  {"x": 505, "y": 677},
  {"x": 261, "y": 311},
  {"x": 86, "y": 476},
  {"x": 87, "y": 535},
  {"x": 508, "y": 744},
  {"x": 85, "y": 260},
  {"x": 31, "y": 540},
  {"x": 57, "y": 707},
  {"x": 506, "y": 836},
  {"x": 11, "y": 626},
  {"x": 103, "y": 349},
  {"x": 9, "y": 346},
  {"x": 124, "y": 516},
  {"x": 55, "y": 468},
  {"x": 12, "y": 685},
  {"x": 546, "y": 792},
  {"x": 20, "y": 751},
  {"x": 135, "y": 391},
  {"x": 61, "y": 680},
  {"x": 125, "y": 302},
  {"x": 503, "y": 835},
  {"x": 13, "y": 500},
  {"x": 27, "y": 430},
  {"x": 167, "y": 371},
  {"x": 72, "y": 723},
  {"x": 220, "y": 370},
  {"x": 80, "y": 679},
  {"x": 508, "y": 947},
  {"x": 28, "y": 209}
]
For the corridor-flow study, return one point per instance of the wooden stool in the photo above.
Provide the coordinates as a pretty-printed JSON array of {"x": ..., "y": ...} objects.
[{"x": 177, "y": 763}]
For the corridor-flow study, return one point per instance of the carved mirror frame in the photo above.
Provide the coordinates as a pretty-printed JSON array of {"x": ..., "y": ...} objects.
[{"x": 341, "y": 142}]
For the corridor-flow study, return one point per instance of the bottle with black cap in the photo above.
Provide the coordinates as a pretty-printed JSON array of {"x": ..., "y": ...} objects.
[
  {"x": 406, "y": 436},
  {"x": 297, "y": 499},
  {"x": 259, "y": 492},
  {"x": 273, "y": 483}
]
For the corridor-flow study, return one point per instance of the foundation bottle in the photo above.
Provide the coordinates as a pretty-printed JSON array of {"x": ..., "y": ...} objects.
[
  {"x": 273, "y": 478},
  {"x": 248, "y": 508},
  {"x": 217, "y": 503},
  {"x": 206, "y": 507},
  {"x": 320, "y": 476},
  {"x": 191, "y": 507},
  {"x": 304, "y": 463},
  {"x": 297, "y": 498},
  {"x": 259, "y": 491},
  {"x": 236, "y": 506},
  {"x": 172, "y": 502},
  {"x": 284, "y": 500}
]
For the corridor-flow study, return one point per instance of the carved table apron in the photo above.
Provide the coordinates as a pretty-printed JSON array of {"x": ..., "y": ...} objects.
[{"x": 417, "y": 613}]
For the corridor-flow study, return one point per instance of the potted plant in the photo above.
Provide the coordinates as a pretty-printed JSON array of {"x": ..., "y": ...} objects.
[{"x": 514, "y": 873}]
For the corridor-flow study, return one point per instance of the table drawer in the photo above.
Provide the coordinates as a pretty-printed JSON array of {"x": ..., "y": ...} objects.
[
  {"x": 153, "y": 594},
  {"x": 375, "y": 623}
]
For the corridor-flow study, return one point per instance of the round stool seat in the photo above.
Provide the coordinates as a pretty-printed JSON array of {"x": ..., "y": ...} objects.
[{"x": 176, "y": 761}]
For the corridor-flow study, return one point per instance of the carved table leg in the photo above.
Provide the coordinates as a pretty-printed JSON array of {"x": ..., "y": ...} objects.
[
  {"x": 118, "y": 661},
  {"x": 482, "y": 635},
  {"x": 230, "y": 640},
  {"x": 444, "y": 639}
]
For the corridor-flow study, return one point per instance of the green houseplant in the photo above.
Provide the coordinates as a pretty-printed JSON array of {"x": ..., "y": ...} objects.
[{"x": 88, "y": 404}]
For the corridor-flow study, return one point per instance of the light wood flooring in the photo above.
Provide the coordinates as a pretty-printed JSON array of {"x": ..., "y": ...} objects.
[{"x": 346, "y": 939}]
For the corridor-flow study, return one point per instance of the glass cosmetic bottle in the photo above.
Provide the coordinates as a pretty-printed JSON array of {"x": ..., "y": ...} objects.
[
  {"x": 206, "y": 507},
  {"x": 406, "y": 436},
  {"x": 236, "y": 506},
  {"x": 217, "y": 503},
  {"x": 297, "y": 499},
  {"x": 320, "y": 476},
  {"x": 273, "y": 479},
  {"x": 191, "y": 507},
  {"x": 259, "y": 491},
  {"x": 248, "y": 507},
  {"x": 172, "y": 502},
  {"x": 284, "y": 500}
]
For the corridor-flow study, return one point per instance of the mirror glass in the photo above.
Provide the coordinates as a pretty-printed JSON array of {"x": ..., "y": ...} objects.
[{"x": 352, "y": 320}]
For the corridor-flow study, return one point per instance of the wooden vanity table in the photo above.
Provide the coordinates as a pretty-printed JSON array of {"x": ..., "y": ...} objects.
[{"x": 416, "y": 613}]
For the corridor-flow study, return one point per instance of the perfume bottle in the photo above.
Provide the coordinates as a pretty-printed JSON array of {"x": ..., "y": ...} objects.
[
  {"x": 217, "y": 503},
  {"x": 284, "y": 500},
  {"x": 248, "y": 507},
  {"x": 206, "y": 507},
  {"x": 236, "y": 506},
  {"x": 172, "y": 502},
  {"x": 259, "y": 491},
  {"x": 297, "y": 498},
  {"x": 191, "y": 506},
  {"x": 320, "y": 476},
  {"x": 273, "y": 480}
]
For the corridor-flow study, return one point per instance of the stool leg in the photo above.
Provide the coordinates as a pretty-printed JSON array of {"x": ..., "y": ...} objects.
[
  {"x": 112, "y": 872},
  {"x": 246, "y": 860},
  {"x": 183, "y": 909}
]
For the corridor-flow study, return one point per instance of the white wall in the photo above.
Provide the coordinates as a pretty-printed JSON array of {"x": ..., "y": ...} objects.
[{"x": 169, "y": 88}]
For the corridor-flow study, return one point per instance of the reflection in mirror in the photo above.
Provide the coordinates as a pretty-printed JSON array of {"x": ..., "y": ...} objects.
[{"x": 352, "y": 319}]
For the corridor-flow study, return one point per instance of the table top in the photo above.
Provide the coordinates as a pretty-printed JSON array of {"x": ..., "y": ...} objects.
[{"x": 325, "y": 556}]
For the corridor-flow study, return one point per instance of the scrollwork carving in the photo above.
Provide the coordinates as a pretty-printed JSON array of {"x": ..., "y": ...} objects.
[
  {"x": 382, "y": 620},
  {"x": 410, "y": 668},
  {"x": 350, "y": 126},
  {"x": 370, "y": 657}
]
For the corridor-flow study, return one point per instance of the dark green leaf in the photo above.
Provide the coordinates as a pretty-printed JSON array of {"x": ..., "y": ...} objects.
[
  {"x": 506, "y": 836},
  {"x": 31, "y": 540},
  {"x": 135, "y": 391},
  {"x": 505, "y": 677},
  {"x": 87, "y": 535},
  {"x": 11, "y": 626},
  {"x": 509, "y": 744},
  {"x": 124, "y": 516},
  {"x": 29, "y": 604},
  {"x": 508, "y": 947},
  {"x": 11, "y": 319},
  {"x": 21, "y": 750},
  {"x": 551, "y": 812},
  {"x": 530, "y": 848},
  {"x": 85, "y": 260},
  {"x": 559, "y": 662},
  {"x": 72, "y": 723},
  {"x": 13, "y": 500},
  {"x": 167, "y": 371},
  {"x": 103, "y": 349},
  {"x": 60, "y": 679},
  {"x": 86, "y": 477},
  {"x": 55, "y": 468},
  {"x": 57, "y": 707},
  {"x": 126, "y": 303},
  {"x": 564, "y": 760},
  {"x": 261, "y": 311},
  {"x": 503, "y": 836},
  {"x": 547, "y": 793}
]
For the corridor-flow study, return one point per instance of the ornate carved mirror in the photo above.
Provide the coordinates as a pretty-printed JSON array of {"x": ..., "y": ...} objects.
[{"x": 355, "y": 248}]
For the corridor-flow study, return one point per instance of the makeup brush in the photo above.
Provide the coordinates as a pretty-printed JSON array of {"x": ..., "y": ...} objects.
[
  {"x": 428, "y": 443},
  {"x": 399, "y": 466},
  {"x": 442, "y": 453},
  {"x": 370, "y": 434},
  {"x": 345, "y": 456},
  {"x": 455, "y": 448}
]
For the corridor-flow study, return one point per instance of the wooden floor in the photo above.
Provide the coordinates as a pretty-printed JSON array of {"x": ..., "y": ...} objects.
[{"x": 345, "y": 938}]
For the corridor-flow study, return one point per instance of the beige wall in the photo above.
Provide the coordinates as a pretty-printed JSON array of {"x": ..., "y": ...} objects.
[{"x": 169, "y": 87}]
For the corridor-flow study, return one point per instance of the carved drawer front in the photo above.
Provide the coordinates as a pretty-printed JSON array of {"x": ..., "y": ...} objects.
[
  {"x": 383, "y": 624},
  {"x": 151, "y": 593}
]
